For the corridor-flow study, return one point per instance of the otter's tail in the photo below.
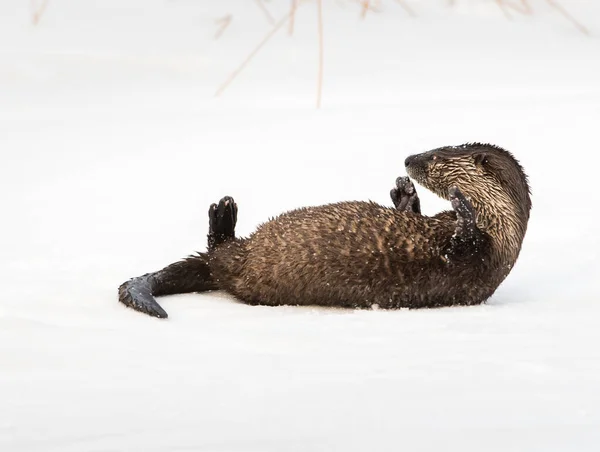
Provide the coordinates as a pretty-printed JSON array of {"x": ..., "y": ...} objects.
[{"x": 189, "y": 275}]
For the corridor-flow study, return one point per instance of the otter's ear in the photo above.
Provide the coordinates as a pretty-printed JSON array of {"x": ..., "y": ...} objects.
[{"x": 480, "y": 159}]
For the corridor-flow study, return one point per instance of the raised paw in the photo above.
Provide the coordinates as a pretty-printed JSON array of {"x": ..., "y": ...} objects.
[
  {"x": 465, "y": 213},
  {"x": 467, "y": 239},
  {"x": 222, "y": 220},
  {"x": 404, "y": 196}
]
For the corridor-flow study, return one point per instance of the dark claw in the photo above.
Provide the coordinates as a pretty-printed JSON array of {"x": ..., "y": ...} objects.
[
  {"x": 460, "y": 204},
  {"x": 394, "y": 196},
  {"x": 404, "y": 184},
  {"x": 212, "y": 211},
  {"x": 222, "y": 221},
  {"x": 466, "y": 215},
  {"x": 467, "y": 238},
  {"x": 404, "y": 196}
]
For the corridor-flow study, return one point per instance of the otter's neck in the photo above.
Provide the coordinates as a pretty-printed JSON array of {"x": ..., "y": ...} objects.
[{"x": 505, "y": 221}]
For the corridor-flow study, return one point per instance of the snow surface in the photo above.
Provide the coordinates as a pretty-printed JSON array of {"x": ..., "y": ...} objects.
[{"x": 113, "y": 146}]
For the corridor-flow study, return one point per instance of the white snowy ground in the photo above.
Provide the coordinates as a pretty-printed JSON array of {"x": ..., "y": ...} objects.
[{"x": 113, "y": 146}]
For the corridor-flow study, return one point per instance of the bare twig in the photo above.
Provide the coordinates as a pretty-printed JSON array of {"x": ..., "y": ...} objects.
[
  {"x": 366, "y": 4},
  {"x": 224, "y": 23},
  {"x": 524, "y": 8},
  {"x": 502, "y": 6},
  {"x": 370, "y": 5},
  {"x": 269, "y": 35},
  {"x": 37, "y": 13},
  {"x": 264, "y": 9},
  {"x": 320, "y": 76},
  {"x": 568, "y": 16},
  {"x": 293, "y": 15},
  {"x": 406, "y": 8}
]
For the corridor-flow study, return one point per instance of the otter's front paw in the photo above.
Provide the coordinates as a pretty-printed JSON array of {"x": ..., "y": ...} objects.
[
  {"x": 465, "y": 213},
  {"x": 404, "y": 196},
  {"x": 467, "y": 239}
]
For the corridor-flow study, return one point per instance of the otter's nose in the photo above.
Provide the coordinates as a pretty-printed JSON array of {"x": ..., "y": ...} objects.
[{"x": 409, "y": 160}]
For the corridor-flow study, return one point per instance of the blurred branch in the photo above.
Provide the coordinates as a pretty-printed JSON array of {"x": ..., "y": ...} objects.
[
  {"x": 406, "y": 8},
  {"x": 375, "y": 6},
  {"x": 366, "y": 4},
  {"x": 293, "y": 15},
  {"x": 503, "y": 8},
  {"x": 524, "y": 8},
  {"x": 241, "y": 67},
  {"x": 224, "y": 23},
  {"x": 264, "y": 9},
  {"x": 554, "y": 4},
  {"x": 37, "y": 13}
]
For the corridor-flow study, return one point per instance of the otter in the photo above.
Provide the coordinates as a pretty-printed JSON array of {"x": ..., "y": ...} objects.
[{"x": 365, "y": 255}]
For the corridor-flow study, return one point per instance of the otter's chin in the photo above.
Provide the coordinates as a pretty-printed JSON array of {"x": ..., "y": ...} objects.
[{"x": 418, "y": 175}]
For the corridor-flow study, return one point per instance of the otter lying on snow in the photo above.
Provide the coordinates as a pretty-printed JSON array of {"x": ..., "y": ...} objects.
[{"x": 361, "y": 254}]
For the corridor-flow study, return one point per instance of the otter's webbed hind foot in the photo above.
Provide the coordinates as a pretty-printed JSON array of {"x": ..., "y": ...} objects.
[
  {"x": 222, "y": 220},
  {"x": 137, "y": 294},
  {"x": 191, "y": 274},
  {"x": 404, "y": 196}
]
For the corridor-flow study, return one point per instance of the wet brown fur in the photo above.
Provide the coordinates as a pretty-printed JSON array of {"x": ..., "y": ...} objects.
[{"x": 360, "y": 254}]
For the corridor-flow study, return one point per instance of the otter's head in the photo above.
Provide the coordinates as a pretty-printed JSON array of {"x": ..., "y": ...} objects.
[{"x": 489, "y": 175}]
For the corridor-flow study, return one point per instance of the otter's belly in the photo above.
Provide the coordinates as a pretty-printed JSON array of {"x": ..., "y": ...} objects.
[
  {"x": 334, "y": 257},
  {"x": 370, "y": 280}
]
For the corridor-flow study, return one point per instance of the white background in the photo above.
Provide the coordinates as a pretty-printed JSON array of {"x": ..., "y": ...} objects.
[{"x": 113, "y": 146}]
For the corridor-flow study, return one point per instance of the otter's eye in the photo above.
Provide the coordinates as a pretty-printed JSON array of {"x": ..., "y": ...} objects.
[{"x": 434, "y": 157}]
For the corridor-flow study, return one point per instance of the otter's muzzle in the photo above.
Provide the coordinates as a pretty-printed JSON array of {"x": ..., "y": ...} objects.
[
  {"x": 416, "y": 167},
  {"x": 410, "y": 159}
]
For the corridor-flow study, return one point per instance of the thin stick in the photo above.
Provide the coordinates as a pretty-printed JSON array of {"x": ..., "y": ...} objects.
[
  {"x": 502, "y": 6},
  {"x": 293, "y": 15},
  {"x": 365, "y": 7},
  {"x": 235, "y": 73},
  {"x": 224, "y": 22},
  {"x": 525, "y": 7},
  {"x": 407, "y": 8},
  {"x": 567, "y": 16},
  {"x": 264, "y": 9},
  {"x": 36, "y": 13},
  {"x": 320, "y": 76}
]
